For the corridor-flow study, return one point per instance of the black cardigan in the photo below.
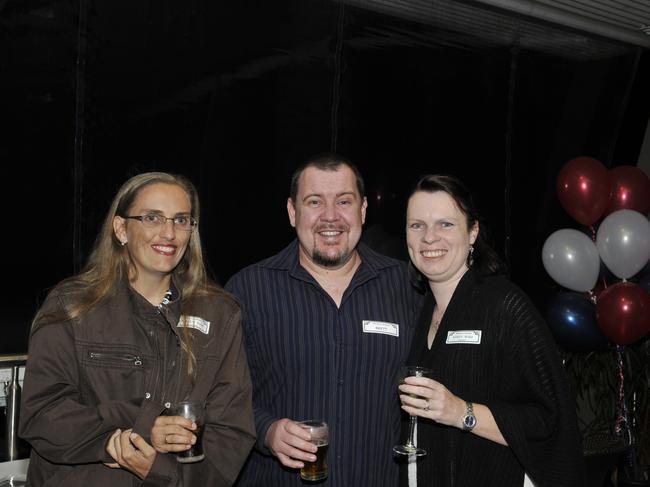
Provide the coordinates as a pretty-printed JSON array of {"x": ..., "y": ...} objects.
[{"x": 517, "y": 372}]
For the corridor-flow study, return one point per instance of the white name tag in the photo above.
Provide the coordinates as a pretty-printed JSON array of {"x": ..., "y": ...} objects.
[
  {"x": 195, "y": 322},
  {"x": 382, "y": 327},
  {"x": 464, "y": 336}
]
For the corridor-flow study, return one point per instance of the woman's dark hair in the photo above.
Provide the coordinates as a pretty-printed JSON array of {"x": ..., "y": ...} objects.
[{"x": 484, "y": 259}]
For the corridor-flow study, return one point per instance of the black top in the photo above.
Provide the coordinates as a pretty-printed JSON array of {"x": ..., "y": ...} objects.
[{"x": 517, "y": 372}]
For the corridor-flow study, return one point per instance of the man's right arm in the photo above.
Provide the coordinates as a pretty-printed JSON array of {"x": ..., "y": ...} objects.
[{"x": 282, "y": 438}]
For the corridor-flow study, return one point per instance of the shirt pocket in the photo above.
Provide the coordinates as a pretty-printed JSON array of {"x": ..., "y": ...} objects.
[{"x": 114, "y": 372}]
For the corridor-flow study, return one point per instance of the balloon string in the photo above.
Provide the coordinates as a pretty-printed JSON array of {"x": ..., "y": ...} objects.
[
  {"x": 622, "y": 426},
  {"x": 592, "y": 297}
]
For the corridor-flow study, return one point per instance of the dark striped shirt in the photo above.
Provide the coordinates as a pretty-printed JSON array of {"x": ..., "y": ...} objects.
[{"x": 310, "y": 359}]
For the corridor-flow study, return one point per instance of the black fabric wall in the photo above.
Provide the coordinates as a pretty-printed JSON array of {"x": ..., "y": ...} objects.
[{"x": 234, "y": 95}]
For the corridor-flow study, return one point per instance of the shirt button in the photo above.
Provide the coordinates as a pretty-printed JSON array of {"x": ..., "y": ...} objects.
[
  {"x": 168, "y": 405},
  {"x": 147, "y": 395},
  {"x": 340, "y": 382}
]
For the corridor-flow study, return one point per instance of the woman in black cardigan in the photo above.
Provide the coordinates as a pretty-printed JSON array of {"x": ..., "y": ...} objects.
[{"x": 498, "y": 411}]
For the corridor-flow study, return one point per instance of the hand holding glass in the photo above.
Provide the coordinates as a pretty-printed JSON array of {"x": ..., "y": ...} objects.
[
  {"x": 193, "y": 410},
  {"x": 409, "y": 448},
  {"x": 317, "y": 470}
]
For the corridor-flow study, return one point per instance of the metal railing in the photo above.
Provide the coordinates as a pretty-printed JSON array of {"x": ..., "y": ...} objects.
[{"x": 12, "y": 391}]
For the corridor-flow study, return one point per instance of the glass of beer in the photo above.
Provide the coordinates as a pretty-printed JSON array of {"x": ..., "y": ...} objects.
[
  {"x": 409, "y": 447},
  {"x": 195, "y": 411},
  {"x": 317, "y": 470}
]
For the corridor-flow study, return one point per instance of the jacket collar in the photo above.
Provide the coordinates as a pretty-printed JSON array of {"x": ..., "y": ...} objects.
[
  {"x": 464, "y": 287},
  {"x": 459, "y": 301},
  {"x": 142, "y": 308}
]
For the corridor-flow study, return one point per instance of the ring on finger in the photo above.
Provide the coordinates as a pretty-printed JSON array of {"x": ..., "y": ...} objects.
[{"x": 427, "y": 407}]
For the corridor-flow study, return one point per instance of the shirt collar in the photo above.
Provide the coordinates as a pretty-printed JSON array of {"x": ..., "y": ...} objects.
[
  {"x": 371, "y": 263},
  {"x": 288, "y": 258}
]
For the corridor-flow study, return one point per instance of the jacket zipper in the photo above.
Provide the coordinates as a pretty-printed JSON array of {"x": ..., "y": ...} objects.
[
  {"x": 163, "y": 391},
  {"x": 134, "y": 359}
]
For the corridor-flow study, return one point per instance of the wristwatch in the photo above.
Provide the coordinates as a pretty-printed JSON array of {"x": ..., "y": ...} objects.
[{"x": 469, "y": 420}]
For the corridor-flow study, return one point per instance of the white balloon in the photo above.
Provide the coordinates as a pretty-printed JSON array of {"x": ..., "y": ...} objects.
[
  {"x": 623, "y": 242},
  {"x": 570, "y": 257}
]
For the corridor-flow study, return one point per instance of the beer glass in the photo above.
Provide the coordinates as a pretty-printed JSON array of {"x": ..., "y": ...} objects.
[
  {"x": 317, "y": 470},
  {"x": 195, "y": 411},
  {"x": 409, "y": 448}
]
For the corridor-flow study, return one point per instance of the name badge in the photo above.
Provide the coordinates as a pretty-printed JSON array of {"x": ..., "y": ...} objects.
[
  {"x": 195, "y": 322},
  {"x": 382, "y": 327},
  {"x": 464, "y": 336}
]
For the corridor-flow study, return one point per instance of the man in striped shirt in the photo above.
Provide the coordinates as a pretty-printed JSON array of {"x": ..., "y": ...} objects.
[{"x": 328, "y": 322}]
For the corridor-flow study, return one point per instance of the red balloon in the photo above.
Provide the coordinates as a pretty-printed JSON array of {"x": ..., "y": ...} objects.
[
  {"x": 583, "y": 189},
  {"x": 623, "y": 312},
  {"x": 630, "y": 190}
]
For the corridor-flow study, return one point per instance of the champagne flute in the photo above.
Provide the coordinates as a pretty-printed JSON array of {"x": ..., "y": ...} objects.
[{"x": 409, "y": 448}]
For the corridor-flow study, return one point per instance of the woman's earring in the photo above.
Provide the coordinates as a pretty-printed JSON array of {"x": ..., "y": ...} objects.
[
  {"x": 122, "y": 243},
  {"x": 470, "y": 257}
]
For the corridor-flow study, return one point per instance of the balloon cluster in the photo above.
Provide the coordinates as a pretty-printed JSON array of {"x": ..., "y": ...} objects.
[{"x": 597, "y": 310}]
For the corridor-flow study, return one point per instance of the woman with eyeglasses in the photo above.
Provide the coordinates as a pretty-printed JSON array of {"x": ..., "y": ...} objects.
[{"x": 139, "y": 329}]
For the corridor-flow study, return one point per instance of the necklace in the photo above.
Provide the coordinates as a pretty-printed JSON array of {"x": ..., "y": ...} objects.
[
  {"x": 165, "y": 300},
  {"x": 433, "y": 329},
  {"x": 435, "y": 322}
]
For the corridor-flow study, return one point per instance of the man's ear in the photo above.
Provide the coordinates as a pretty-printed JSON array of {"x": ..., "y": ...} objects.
[{"x": 291, "y": 210}]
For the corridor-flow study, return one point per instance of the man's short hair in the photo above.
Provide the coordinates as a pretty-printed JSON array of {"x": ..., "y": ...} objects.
[{"x": 326, "y": 161}]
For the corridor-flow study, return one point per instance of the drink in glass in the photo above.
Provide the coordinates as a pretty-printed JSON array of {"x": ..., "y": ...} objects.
[
  {"x": 409, "y": 447},
  {"x": 193, "y": 410},
  {"x": 317, "y": 470}
]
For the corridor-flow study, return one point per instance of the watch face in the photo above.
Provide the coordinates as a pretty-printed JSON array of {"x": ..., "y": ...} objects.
[{"x": 469, "y": 421}]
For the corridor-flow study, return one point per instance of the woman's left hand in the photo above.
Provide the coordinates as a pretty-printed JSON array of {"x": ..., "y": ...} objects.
[
  {"x": 131, "y": 452},
  {"x": 433, "y": 401}
]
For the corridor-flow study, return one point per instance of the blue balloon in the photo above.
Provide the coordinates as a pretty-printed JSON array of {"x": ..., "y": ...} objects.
[{"x": 572, "y": 319}]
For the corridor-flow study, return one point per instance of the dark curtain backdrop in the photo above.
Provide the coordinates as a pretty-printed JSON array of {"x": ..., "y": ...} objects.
[{"x": 235, "y": 94}]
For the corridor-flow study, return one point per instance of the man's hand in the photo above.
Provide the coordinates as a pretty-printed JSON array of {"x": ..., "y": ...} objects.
[{"x": 288, "y": 441}]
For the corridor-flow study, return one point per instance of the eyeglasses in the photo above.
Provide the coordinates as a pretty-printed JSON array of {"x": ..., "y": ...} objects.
[{"x": 156, "y": 220}]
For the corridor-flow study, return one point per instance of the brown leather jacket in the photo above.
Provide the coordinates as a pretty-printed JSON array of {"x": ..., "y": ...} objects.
[{"x": 117, "y": 367}]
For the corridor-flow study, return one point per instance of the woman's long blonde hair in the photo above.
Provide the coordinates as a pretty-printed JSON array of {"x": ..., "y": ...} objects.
[{"x": 109, "y": 262}]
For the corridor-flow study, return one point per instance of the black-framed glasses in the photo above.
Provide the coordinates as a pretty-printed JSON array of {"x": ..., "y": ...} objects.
[{"x": 156, "y": 220}]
